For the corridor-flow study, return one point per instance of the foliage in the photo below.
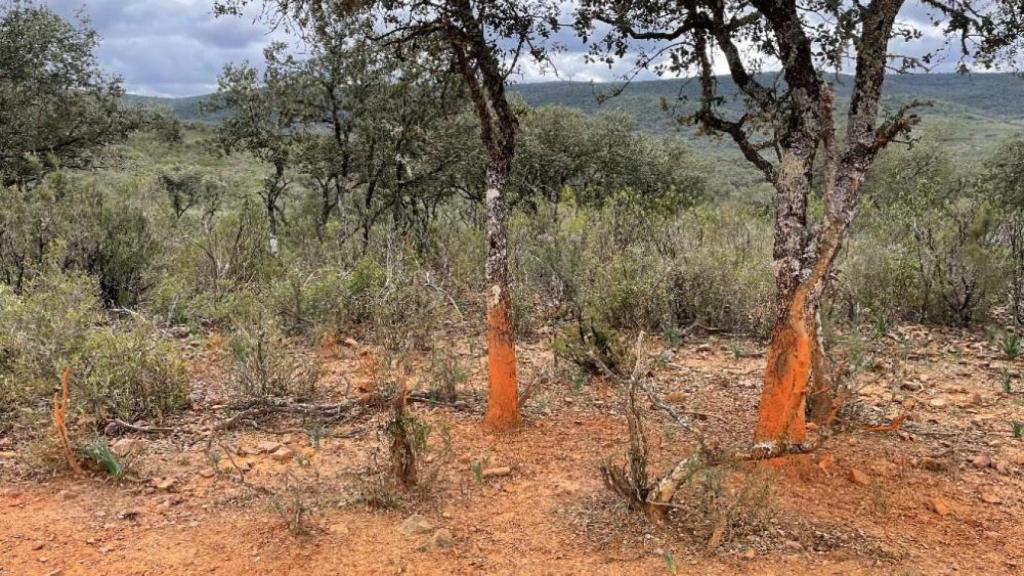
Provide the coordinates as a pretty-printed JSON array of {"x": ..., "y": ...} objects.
[
  {"x": 268, "y": 366},
  {"x": 122, "y": 368},
  {"x": 49, "y": 76}
]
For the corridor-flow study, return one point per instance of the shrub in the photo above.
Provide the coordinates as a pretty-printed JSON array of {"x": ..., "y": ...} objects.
[
  {"x": 267, "y": 365},
  {"x": 121, "y": 368}
]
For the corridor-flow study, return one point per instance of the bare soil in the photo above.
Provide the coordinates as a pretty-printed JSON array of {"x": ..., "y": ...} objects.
[{"x": 942, "y": 494}]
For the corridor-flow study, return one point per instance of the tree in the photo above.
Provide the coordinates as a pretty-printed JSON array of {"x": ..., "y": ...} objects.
[
  {"x": 56, "y": 106},
  {"x": 783, "y": 123},
  {"x": 264, "y": 114},
  {"x": 481, "y": 42}
]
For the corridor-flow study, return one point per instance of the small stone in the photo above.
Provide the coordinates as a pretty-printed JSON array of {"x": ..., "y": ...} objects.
[
  {"x": 990, "y": 498},
  {"x": 8, "y": 455},
  {"x": 130, "y": 514},
  {"x": 267, "y": 447},
  {"x": 283, "y": 454},
  {"x": 497, "y": 472},
  {"x": 939, "y": 506},
  {"x": 38, "y": 545},
  {"x": 441, "y": 539},
  {"x": 859, "y": 478},
  {"x": 675, "y": 397},
  {"x": 938, "y": 403},
  {"x": 748, "y": 554},
  {"x": 127, "y": 446},
  {"x": 351, "y": 343},
  {"x": 416, "y": 524},
  {"x": 339, "y": 528},
  {"x": 982, "y": 461},
  {"x": 207, "y": 473},
  {"x": 163, "y": 483}
]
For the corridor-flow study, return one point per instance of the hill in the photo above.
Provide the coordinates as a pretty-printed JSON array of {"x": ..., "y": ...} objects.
[{"x": 994, "y": 96}]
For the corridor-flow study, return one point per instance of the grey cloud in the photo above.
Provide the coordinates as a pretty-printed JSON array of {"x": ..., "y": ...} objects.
[
  {"x": 169, "y": 47},
  {"x": 178, "y": 48}
]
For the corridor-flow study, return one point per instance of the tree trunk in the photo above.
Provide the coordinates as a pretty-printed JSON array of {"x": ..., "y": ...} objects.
[
  {"x": 780, "y": 416},
  {"x": 821, "y": 399},
  {"x": 503, "y": 389},
  {"x": 791, "y": 351}
]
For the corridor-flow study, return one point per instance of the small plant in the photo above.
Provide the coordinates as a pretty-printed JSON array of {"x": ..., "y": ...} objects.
[
  {"x": 447, "y": 375},
  {"x": 267, "y": 366},
  {"x": 100, "y": 452},
  {"x": 1006, "y": 382},
  {"x": 407, "y": 437},
  {"x": 478, "y": 471},
  {"x": 738, "y": 351},
  {"x": 316, "y": 434},
  {"x": 579, "y": 380},
  {"x": 1011, "y": 346},
  {"x": 294, "y": 508},
  {"x": 592, "y": 347},
  {"x": 673, "y": 339},
  {"x": 670, "y": 561},
  {"x": 1018, "y": 429}
]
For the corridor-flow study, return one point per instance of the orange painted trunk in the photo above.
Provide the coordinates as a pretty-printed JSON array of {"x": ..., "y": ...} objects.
[
  {"x": 780, "y": 416},
  {"x": 503, "y": 390}
]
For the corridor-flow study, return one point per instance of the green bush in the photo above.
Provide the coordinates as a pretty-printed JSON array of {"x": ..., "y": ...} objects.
[{"x": 120, "y": 368}]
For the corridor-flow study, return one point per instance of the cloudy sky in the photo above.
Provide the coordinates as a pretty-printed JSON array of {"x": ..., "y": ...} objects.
[{"x": 177, "y": 47}]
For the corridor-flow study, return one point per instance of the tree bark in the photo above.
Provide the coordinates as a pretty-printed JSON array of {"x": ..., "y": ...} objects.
[{"x": 503, "y": 389}]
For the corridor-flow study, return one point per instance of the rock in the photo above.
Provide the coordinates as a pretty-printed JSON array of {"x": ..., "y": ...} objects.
[
  {"x": 38, "y": 545},
  {"x": 283, "y": 454},
  {"x": 441, "y": 539},
  {"x": 163, "y": 483},
  {"x": 990, "y": 498},
  {"x": 497, "y": 472},
  {"x": 982, "y": 461},
  {"x": 180, "y": 331},
  {"x": 675, "y": 397},
  {"x": 939, "y": 506},
  {"x": 748, "y": 554},
  {"x": 351, "y": 343},
  {"x": 130, "y": 514},
  {"x": 704, "y": 348},
  {"x": 339, "y": 528},
  {"x": 207, "y": 473},
  {"x": 859, "y": 478},
  {"x": 8, "y": 455},
  {"x": 938, "y": 403},
  {"x": 127, "y": 446},
  {"x": 912, "y": 386},
  {"x": 266, "y": 447},
  {"x": 415, "y": 524}
]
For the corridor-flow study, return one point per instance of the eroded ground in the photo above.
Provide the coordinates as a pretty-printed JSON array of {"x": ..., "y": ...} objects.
[{"x": 940, "y": 495}]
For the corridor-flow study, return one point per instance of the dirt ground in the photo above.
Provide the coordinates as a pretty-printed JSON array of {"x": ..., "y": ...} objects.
[{"x": 940, "y": 495}]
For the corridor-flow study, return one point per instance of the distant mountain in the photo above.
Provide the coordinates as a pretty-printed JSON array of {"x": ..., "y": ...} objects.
[
  {"x": 997, "y": 97},
  {"x": 187, "y": 109}
]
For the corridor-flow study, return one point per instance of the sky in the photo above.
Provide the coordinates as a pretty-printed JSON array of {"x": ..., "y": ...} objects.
[{"x": 178, "y": 47}]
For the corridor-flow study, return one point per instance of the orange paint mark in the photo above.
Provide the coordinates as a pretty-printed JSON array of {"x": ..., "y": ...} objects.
[
  {"x": 780, "y": 416},
  {"x": 503, "y": 390}
]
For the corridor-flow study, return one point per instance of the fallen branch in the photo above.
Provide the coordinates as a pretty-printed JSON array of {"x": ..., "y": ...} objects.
[{"x": 142, "y": 429}]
